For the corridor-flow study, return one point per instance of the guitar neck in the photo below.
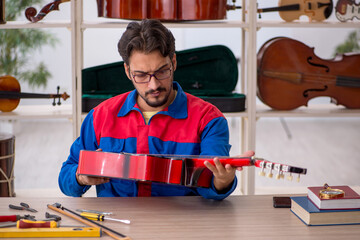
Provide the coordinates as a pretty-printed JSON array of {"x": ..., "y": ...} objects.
[{"x": 261, "y": 163}]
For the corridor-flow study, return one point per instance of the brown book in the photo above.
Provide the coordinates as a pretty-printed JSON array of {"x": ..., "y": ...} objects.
[{"x": 350, "y": 200}]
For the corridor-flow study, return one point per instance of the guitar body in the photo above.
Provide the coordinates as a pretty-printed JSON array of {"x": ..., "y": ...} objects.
[
  {"x": 316, "y": 10},
  {"x": 347, "y": 10}
]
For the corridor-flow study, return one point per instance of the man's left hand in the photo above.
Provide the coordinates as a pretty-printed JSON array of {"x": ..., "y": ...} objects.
[{"x": 224, "y": 175}]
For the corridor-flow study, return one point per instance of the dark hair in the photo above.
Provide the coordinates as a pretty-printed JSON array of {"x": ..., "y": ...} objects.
[{"x": 146, "y": 36}]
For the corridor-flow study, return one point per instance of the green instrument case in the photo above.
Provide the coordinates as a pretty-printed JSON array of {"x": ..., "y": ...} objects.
[{"x": 210, "y": 73}]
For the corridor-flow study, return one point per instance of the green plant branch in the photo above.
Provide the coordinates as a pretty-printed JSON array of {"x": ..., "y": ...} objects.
[
  {"x": 17, "y": 47},
  {"x": 351, "y": 44}
]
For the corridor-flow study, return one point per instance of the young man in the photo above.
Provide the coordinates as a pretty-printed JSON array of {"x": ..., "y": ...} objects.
[{"x": 158, "y": 117}]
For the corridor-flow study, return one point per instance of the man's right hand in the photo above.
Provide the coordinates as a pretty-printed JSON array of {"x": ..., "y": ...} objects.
[{"x": 86, "y": 180}]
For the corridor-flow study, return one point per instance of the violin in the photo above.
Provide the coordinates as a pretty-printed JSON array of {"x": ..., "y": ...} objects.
[
  {"x": 170, "y": 169},
  {"x": 10, "y": 94},
  {"x": 290, "y": 74},
  {"x": 347, "y": 10},
  {"x": 290, "y": 10}
]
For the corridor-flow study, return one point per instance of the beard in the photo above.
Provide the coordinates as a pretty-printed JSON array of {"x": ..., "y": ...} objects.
[{"x": 157, "y": 101}]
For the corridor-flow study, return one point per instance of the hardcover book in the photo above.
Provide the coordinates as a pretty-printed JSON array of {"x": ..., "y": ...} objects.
[
  {"x": 350, "y": 200},
  {"x": 307, "y": 212}
]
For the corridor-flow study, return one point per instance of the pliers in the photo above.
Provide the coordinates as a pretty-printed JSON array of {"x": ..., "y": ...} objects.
[
  {"x": 23, "y": 206},
  {"x": 12, "y": 219}
]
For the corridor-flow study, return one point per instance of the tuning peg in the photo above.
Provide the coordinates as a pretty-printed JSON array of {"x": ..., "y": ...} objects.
[
  {"x": 262, "y": 172},
  {"x": 290, "y": 177},
  {"x": 277, "y": 168},
  {"x": 269, "y": 166}
]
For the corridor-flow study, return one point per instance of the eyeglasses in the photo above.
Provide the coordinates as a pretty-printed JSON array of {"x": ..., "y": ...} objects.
[{"x": 161, "y": 74}]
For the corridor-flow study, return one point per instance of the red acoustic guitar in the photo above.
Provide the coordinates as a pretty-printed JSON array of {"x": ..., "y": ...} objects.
[{"x": 171, "y": 169}]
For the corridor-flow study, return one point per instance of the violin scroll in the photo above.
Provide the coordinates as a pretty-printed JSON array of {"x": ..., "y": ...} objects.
[{"x": 33, "y": 16}]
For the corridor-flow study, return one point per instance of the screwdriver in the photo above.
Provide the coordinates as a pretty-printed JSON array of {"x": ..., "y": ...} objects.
[
  {"x": 36, "y": 224},
  {"x": 100, "y": 217},
  {"x": 40, "y": 224}
]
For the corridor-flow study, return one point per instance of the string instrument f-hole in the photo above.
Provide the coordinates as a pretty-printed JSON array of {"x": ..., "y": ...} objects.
[
  {"x": 10, "y": 94},
  {"x": 290, "y": 74}
]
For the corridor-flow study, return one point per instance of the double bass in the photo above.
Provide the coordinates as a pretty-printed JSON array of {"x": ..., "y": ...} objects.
[{"x": 290, "y": 74}]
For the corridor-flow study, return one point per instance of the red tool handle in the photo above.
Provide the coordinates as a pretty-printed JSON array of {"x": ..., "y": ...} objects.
[
  {"x": 36, "y": 224},
  {"x": 9, "y": 218}
]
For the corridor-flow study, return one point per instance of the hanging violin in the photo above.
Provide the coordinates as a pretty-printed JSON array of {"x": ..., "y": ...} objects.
[
  {"x": 10, "y": 94},
  {"x": 171, "y": 169},
  {"x": 315, "y": 10},
  {"x": 290, "y": 74}
]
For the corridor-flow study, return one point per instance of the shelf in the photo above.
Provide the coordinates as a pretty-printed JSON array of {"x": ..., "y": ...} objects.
[
  {"x": 38, "y": 112},
  {"x": 189, "y": 24},
  {"x": 317, "y": 110},
  {"x": 236, "y": 114},
  {"x": 27, "y": 24},
  {"x": 304, "y": 24}
]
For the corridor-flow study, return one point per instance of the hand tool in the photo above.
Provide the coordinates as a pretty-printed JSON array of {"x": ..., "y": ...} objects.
[
  {"x": 50, "y": 232},
  {"x": 14, "y": 218},
  {"x": 54, "y": 217},
  {"x": 36, "y": 224},
  {"x": 94, "y": 211},
  {"x": 100, "y": 217},
  {"x": 23, "y": 206},
  {"x": 60, "y": 209},
  {"x": 41, "y": 224}
]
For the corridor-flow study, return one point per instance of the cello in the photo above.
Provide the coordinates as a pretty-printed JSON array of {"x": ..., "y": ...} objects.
[
  {"x": 10, "y": 94},
  {"x": 290, "y": 74}
]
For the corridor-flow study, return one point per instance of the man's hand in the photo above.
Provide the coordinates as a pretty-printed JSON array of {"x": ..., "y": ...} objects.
[
  {"x": 224, "y": 175},
  {"x": 86, "y": 180}
]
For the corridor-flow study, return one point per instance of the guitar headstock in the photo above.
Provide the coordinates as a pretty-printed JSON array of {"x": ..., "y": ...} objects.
[{"x": 278, "y": 168}]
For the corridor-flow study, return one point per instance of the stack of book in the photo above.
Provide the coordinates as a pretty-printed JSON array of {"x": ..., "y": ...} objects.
[{"x": 315, "y": 211}]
